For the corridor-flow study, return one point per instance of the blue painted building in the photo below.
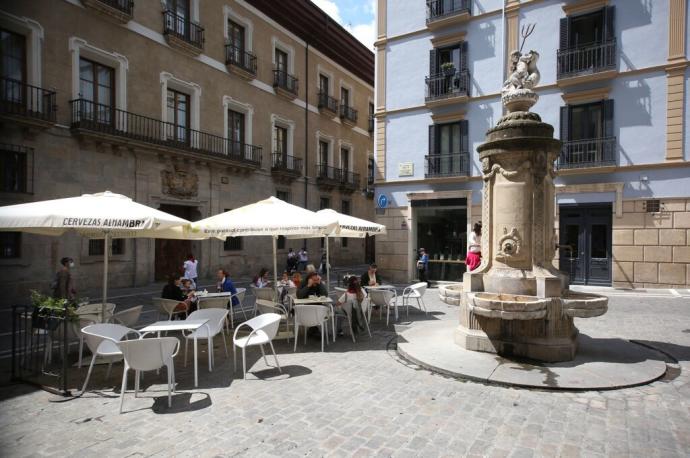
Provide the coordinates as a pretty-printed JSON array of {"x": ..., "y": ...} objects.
[{"x": 614, "y": 79}]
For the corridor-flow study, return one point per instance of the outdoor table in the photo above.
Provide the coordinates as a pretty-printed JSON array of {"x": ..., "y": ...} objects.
[
  {"x": 385, "y": 287},
  {"x": 183, "y": 325},
  {"x": 324, "y": 300},
  {"x": 221, "y": 294}
]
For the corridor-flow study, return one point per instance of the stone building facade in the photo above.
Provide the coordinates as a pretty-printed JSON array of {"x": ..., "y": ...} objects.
[
  {"x": 614, "y": 84},
  {"x": 194, "y": 107}
]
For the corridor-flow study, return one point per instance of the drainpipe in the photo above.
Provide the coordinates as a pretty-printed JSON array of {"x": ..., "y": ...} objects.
[{"x": 306, "y": 130}]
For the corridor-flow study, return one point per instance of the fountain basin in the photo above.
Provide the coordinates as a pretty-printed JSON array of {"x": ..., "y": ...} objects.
[
  {"x": 507, "y": 306},
  {"x": 451, "y": 294},
  {"x": 584, "y": 305}
]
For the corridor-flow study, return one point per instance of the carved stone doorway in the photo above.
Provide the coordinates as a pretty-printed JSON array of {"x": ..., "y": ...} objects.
[{"x": 171, "y": 254}]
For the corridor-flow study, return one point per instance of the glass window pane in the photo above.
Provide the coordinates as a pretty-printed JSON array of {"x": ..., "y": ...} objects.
[
  {"x": 86, "y": 90},
  {"x": 599, "y": 241},
  {"x": 104, "y": 76},
  {"x": 572, "y": 237},
  {"x": 104, "y": 95}
]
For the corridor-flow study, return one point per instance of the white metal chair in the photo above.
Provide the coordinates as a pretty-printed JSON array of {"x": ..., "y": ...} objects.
[
  {"x": 384, "y": 298},
  {"x": 366, "y": 311},
  {"x": 309, "y": 315},
  {"x": 128, "y": 317},
  {"x": 212, "y": 303},
  {"x": 416, "y": 292},
  {"x": 216, "y": 321},
  {"x": 266, "y": 294},
  {"x": 346, "y": 309},
  {"x": 167, "y": 307},
  {"x": 94, "y": 312},
  {"x": 240, "y": 307},
  {"x": 148, "y": 355},
  {"x": 102, "y": 339},
  {"x": 264, "y": 328},
  {"x": 263, "y": 306}
]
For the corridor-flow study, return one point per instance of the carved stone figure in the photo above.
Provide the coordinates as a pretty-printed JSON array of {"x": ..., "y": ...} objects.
[
  {"x": 180, "y": 182},
  {"x": 517, "y": 94}
]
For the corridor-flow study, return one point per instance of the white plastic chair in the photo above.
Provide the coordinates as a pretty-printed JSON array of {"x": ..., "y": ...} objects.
[
  {"x": 416, "y": 292},
  {"x": 128, "y": 317},
  {"x": 216, "y": 321},
  {"x": 102, "y": 339},
  {"x": 384, "y": 298},
  {"x": 309, "y": 315},
  {"x": 264, "y": 328},
  {"x": 94, "y": 312},
  {"x": 263, "y": 306},
  {"x": 167, "y": 307},
  {"x": 212, "y": 303},
  {"x": 148, "y": 355},
  {"x": 366, "y": 311}
]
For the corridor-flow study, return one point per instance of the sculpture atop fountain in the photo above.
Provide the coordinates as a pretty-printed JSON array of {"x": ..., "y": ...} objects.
[{"x": 516, "y": 303}]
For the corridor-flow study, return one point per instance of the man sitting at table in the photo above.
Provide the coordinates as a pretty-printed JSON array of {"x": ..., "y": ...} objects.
[
  {"x": 225, "y": 286},
  {"x": 312, "y": 287},
  {"x": 370, "y": 277}
]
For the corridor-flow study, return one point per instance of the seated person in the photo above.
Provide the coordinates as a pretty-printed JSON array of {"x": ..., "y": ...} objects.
[
  {"x": 225, "y": 286},
  {"x": 354, "y": 294},
  {"x": 173, "y": 292},
  {"x": 370, "y": 277},
  {"x": 188, "y": 288},
  {"x": 297, "y": 279},
  {"x": 283, "y": 285},
  {"x": 312, "y": 287},
  {"x": 309, "y": 269},
  {"x": 261, "y": 280}
]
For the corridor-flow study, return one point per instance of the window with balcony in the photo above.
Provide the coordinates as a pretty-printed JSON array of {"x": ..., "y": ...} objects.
[
  {"x": 347, "y": 113},
  {"x": 16, "y": 169},
  {"x": 449, "y": 76},
  {"x": 12, "y": 66},
  {"x": 371, "y": 117},
  {"x": 237, "y": 54},
  {"x": 236, "y": 131},
  {"x": 326, "y": 102},
  {"x": 371, "y": 169},
  {"x": 446, "y": 11},
  {"x": 283, "y": 80},
  {"x": 96, "y": 91},
  {"x": 448, "y": 150},
  {"x": 587, "y": 135},
  {"x": 177, "y": 127},
  {"x": 97, "y": 247},
  {"x": 323, "y": 158},
  {"x": 10, "y": 245},
  {"x": 179, "y": 25},
  {"x": 587, "y": 44}
]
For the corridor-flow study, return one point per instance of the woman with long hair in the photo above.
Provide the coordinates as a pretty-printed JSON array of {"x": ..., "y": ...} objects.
[
  {"x": 261, "y": 280},
  {"x": 474, "y": 248}
]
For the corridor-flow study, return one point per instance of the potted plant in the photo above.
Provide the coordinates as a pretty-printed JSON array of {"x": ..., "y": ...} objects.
[
  {"x": 448, "y": 68},
  {"x": 49, "y": 312}
]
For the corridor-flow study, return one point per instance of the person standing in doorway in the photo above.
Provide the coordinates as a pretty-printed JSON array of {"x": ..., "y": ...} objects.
[
  {"x": 423, "y": 266},
  {"x": 474, "y": 248},
  {"x": 303, "y": 257},
  {"x": 190, "y": 269},
  {"x": 63, "y": 284}
]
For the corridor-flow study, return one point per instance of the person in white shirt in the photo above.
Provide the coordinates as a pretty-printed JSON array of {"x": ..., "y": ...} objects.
[
  {"x": 474, "y": 248},
  {"x": 190, "y": 268},
  {"x": 303, "y": 257},
  {"x": 261, "y": 280}
]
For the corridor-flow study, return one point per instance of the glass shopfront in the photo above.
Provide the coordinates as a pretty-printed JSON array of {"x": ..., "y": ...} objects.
[{"x": 441, "y": 227}]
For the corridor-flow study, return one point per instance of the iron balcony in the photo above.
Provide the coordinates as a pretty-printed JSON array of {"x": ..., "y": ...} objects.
[
  {"x": 437, "y": 10},
  {"x": 183, "y": 29},
  {"x": 596, "y": 152},
  {"x": 448, "y": 85},
  {"x": 447, "y": 165},
  {"x": 26, "y": 101},
  {"x": 585, "y": 60},
  {"x": 285, "y": 81}
]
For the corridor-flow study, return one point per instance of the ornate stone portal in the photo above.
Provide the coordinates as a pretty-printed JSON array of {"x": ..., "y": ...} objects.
[{"x": 516, "y": 303}]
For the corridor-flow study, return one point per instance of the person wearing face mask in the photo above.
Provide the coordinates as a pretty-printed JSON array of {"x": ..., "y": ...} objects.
[{"x": 63, "y": 284}]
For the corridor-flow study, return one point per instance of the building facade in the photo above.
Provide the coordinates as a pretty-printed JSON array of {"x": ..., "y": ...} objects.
[
  {"x": 194, "y": 107},
  {"x": 614, "y": 84}
]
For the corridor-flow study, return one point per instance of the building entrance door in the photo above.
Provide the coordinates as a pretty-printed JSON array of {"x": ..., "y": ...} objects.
[
  {"x": 171, "y": 254},
  {"x": 585, "y": 243}
]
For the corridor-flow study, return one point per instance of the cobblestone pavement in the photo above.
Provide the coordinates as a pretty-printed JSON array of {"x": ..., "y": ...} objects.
[{"x": 362, "y": 400}]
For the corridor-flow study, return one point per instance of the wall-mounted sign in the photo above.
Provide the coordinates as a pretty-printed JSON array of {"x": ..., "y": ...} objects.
[
  {"x": 406, "y": 169},
  {"x": 382, "y": 201}
]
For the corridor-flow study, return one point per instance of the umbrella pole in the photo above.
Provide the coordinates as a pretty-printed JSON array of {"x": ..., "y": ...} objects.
[
  {"x": 328, "y": 268},
  {"x": 275, "y": 263},
  {"x": 106, "y": 255}
]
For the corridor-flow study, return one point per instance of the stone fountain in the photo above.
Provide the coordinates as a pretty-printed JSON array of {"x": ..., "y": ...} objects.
[{"x": 516, "y": 303}]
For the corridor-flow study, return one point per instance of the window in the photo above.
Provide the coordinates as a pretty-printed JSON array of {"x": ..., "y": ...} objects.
[
  {"x": 236, "y": 38},
  {"x": 97, "y": 89},
  {"x": 13, "y": 169},
  {"x": 652, "y": 206},
  {"x": 371, "y": 167},
  {"x": 345, "y": 159},
  {"x": 281, "y": 60},
  {"x": 324, "y": 202},
  {"x": 10, "y": 245},
  {"x": 587, "y": 43},
  {"x": 179, "y": 7},
  {"x": 323, "y": 83},
  {"x": 451, "y": 138},
  {"x": 587, "y": 135},
  {"x": 236, "y": 130},
  {"x": 345, "y": 96},
  {"x": 448, "y": 71},
  {"x": 96, "y": 247},
  {"x": 232, "y": 243},
  {"x": 281, "y": 142},
  {"x": 345, "y": 210},
  {"x": 12, "y": 65},
  {"x": 178, "y": 116},
  {"x": 323, "y": 153}
]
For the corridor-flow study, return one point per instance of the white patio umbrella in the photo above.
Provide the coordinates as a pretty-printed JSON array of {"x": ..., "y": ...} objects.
[
  {"x": 269, "y": 217},
  {"x": 104, "y": 215},
  {"x": 349, "y": 227}
]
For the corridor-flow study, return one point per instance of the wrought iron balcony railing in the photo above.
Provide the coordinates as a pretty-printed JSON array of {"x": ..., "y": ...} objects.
[
  {"x": 439, "y": 9},
  {"x": 240, "y": 58},
  {"x": 328, "y": 102},
  {"x": 182, "y": 28},
  {"x": 349, "y": 179},
  {"x": 21, "y": 99},
  {"x": 124, "y": 6},
  {"x": 283, "y": 162},
  {"x": 447, "y": 165},
  {"x": 446, "y": 85},
  {"x": 285, "y": 81},
  {"x": 325, "y": 172},
  {"x": 348, "y": 113},
  {"x": 596, "y": 152},
  {"x": 371, "y": 124},
  {"x": 588, "y": 59},
  {"x": 107, "y": 120}
]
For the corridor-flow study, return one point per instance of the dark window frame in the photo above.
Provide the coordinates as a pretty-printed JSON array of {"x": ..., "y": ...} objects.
[
  {"x": 177, "y": 128},
  {"x": 10, "y": 245},
  {"x": 97, "y": 247}
]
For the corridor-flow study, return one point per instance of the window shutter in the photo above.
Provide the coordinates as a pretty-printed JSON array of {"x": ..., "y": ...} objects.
[
  {"x": 564, "y": 123},
  {"x": 609, "y": 23},
  {"x": 464, "y": 136},
  {"x": 608, "y": 117},
  {"x": 463, "y": 56},
  {"x": 433, "y": 63},
  {"x": 432, "y": 139},
  {"x": 565, "y": 33}
]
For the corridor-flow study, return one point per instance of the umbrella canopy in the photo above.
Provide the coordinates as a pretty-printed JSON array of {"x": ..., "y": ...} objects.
[
  {"x": 104, "y": 215},
  {"x": 92, "y": 215},
  {"x": 350, "y": 226}
]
